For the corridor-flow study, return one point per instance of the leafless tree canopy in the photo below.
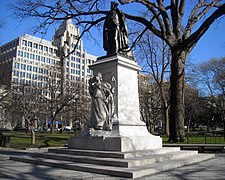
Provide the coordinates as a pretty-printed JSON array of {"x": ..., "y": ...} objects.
[{"x": 163, "y": 19}]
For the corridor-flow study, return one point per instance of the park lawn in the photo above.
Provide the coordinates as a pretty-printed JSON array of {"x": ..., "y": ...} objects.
[
  {"x": 21, "y": 140},
  {"x": 199, "y": 140}
]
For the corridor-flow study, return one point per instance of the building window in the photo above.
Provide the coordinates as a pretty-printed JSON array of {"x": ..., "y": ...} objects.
[
  {"x": 34, "y": 76},
  {"x": 34, "y": 69},
  {"x": 29, "y": 44},
  {"x": 20, "y": 53},
  {"x": 16, "y": 73},
  {"x": 22, "y": 74},
  {"x": 50, "y": 50},
  {"x": 24, "y": 43},
  {"x": 77, "y": 72},
  {"x": 29, "y": 75},
  {"x": 28, "y": 82},
  {"x": 48, "y": 60},
  {"x": 35, "y": 45},
  {"x": 78, "y": 53},
  {"x": 72, "y": 64},
  {"x": 41, "y": 47},
  {"x": 32, "y": 56},
  {"x": 34, "y": 83},
  {"x": 16, "y": 65},
  {"x": 45, "y": 72},
  {"x": 40, "y": 70},
  {"x": 45, "y": 48},
  {"x": 39, "y": 84},
  {"x": 42, "y": 59},
  {"x": 23, "y": 66},
  {"x": 26, "y": 55},
  {"x": 15, "y": 80},
  {"x": 29, "y": 68},
  {"x": 22, "y": 81},
  {"x": 78, "y": 66},
  {"x": 37, "y": 57},
  {"x": 72, "y": 71}
]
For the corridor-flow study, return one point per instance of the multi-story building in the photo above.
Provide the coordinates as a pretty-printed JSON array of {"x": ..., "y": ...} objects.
[
  {"x": 28, "y": 62},
  {"x": 74, "y": 58}
]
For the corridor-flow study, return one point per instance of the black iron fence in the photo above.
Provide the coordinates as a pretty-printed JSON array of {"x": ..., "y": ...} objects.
[{"x": 205, "y": 137}]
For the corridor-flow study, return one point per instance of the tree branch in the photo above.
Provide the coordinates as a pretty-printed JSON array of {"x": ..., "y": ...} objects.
[
  {"x": 193, "y": 38},
  {"x": 194, "y": 17}
]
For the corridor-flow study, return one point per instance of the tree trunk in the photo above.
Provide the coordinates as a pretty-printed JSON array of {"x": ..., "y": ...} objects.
[
  {"x": 53, "y": 124},
  {"x": 32, "y": 136},
  {"x": 176, "y": 125},
  {"x": 167, "y": 121},
  {"x": 166, "y": 110}
]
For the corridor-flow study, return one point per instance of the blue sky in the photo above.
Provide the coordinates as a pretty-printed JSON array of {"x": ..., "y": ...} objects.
[{"x": 211, "y": 45}]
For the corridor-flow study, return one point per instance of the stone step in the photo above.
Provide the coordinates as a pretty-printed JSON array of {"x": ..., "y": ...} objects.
[
  {"x": 169, "y": 165},
  {"x": 128, "y": 162},
  {"x": 133, "y": 172},
  {"x": 112, "y": 171},
  {"x": 114, "y": 154}
]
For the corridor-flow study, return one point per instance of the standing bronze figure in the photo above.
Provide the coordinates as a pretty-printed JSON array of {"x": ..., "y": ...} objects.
[{"x": 115, "y": 35}]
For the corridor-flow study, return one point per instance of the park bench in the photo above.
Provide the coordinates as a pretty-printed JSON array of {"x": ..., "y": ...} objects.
[{"x": 199, "y": 147}]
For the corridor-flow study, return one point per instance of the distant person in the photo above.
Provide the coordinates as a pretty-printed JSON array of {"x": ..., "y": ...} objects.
[{"x": 115, "y": 35}]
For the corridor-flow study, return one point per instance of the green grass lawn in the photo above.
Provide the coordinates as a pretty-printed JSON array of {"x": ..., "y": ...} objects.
[
  {"x": 194, "y": 139},
  {"x": 21, "y": 140}
]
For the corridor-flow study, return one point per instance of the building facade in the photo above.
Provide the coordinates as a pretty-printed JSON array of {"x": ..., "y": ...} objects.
[
  {"x": 28, "y": 60},
  {"x": 28, "y": 63}
]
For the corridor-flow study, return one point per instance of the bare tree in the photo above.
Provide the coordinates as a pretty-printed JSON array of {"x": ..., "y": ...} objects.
[
  {"x": 211, "y": 77},
  {"x": 155, "y": 56},
  {"x": 165, "y": 19},
  {"x": 80, "y": 107},
  {"x": 25, "y": 103},
  {"x": 56, "y": 99},
  {"x": 150, "y": 102},
  {"x": 5, "y": 101}
]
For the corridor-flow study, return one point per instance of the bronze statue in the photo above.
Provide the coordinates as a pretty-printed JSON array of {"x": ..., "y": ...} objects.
[{"x": 115, "y": 35}]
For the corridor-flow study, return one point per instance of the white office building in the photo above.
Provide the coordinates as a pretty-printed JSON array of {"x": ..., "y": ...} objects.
[{"x": 27, "y": 60}]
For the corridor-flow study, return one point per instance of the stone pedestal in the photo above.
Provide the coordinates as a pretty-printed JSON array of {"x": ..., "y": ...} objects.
[{"x": 130, "y": 133}]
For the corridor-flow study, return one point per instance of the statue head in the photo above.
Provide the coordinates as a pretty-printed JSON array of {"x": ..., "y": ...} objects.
[
  {"x": 98, "y": 76},
  {"x": 114, "y": 5}
]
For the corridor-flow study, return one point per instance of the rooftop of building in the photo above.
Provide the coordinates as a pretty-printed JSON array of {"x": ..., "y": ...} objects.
[{"x": 37, "y": 39}]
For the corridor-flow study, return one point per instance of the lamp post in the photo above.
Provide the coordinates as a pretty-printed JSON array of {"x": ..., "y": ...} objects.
[{"x": 75, "y": 113}]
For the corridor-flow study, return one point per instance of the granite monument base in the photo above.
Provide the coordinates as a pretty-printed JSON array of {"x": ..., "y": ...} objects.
[
  {"x": 121, "y": 139},
  {"x": 129, "y": 133}
]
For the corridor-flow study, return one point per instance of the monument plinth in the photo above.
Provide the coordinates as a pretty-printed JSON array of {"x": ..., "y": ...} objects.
[{"x": 128, "y": 132}]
